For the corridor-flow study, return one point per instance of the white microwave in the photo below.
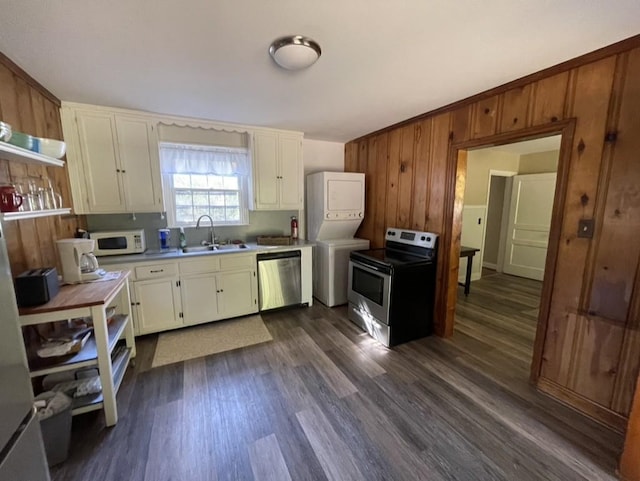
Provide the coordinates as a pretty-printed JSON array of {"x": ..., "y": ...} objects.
[{"x": 115, "y": 243}]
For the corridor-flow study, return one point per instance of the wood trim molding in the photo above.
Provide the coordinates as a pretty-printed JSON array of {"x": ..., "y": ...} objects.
[
  {"x": 613, "y": 49},
  {"x": 562, "y": 180},
  {"x": 18, "y": 71},
  {"x": 630, "y": 461},
  {"x": 574, "y": 400},
  {"x": 454, "y": 198}
]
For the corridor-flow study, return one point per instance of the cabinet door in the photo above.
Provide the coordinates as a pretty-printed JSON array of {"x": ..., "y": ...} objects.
[
  {"x": 237, "y": 293},
  {"x": 290, "y": 172},
  {"x": 97, "y": 138},
  {"x": 265, "y": 171},
  {"x": 199, "y": 298},
  {"x": 140, "y": 162},
  {"x": 157, "y": 304}
]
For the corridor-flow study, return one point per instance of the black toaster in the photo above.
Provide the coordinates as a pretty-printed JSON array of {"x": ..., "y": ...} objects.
[{"x": 36, "y": 286}]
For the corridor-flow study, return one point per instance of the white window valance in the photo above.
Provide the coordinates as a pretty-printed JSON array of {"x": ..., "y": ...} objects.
[
  {"x": 203, "y": 135},
  {"x": 198, "y": 159}
]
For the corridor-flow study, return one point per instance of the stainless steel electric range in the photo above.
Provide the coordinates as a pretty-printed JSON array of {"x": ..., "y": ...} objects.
[{"x": 392, "y": 290}]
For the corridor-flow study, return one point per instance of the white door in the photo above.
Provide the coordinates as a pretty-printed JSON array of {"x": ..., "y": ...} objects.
[
  {"x": 237, "y": 293},
  {"x": 138, "y": 147},
  {"x": 529, "y": 223},
  {"x": 290, "y": 184},
  {"x": 97, "y": 134},
  {"x": 265, "y": 145},
  {"x": 473, "y": 221},
  {"x": 199, "y": 298},
  {"x": 157, "y": 304}
]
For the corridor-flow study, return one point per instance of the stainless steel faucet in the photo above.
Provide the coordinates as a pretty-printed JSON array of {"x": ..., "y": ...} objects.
[{"x": 211, "y": 233}]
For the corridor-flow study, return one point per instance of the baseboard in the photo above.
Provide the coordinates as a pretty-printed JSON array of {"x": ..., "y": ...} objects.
[
  {"x": 475, "y": 276},
  {"x": 601, "y": 414},
  {"x": 490, "y": 265}
]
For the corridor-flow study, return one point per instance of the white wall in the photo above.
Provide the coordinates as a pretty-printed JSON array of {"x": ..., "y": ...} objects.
[
  {"x": 319, "y": 155},
  {"x": 539, "y": 162},
  {"x": 479, "y": 163}
]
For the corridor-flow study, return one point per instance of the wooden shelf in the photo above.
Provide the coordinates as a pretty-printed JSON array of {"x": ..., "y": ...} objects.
[
  {"x": 90, "y": 300},
  {"x": 120, "y": 364},
  {"x": 88, "y": 355},
  {"x": 85, "y": 404},
  {"x": 33, "y": 214},
  {"x": 18, "y": 154},
  {"x": 94, "y": 402}
]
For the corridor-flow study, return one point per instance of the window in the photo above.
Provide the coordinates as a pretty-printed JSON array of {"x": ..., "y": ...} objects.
[{"x": 199, "y": 180}]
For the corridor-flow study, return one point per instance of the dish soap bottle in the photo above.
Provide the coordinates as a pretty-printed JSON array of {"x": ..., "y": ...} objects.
[{"x": 183, "y": 239}]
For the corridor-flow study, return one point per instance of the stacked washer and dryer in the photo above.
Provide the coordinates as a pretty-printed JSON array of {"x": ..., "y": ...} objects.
[{"x": 335, "y": 209}]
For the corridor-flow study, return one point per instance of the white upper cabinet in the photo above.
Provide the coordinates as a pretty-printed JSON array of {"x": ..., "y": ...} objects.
[
  {"x": 277, "y": 171},
  {"x": 113, "y": 162},
  {"x": 139, "y": 158}
]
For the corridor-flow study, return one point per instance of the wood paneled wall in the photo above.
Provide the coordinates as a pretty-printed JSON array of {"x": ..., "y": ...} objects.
[
  {"x": 588, "y": 346},
  {"x": 30, "y": 108}
]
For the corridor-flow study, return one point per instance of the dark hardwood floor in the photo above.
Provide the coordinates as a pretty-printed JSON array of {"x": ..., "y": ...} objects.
[{"x": 323, "y": 401}]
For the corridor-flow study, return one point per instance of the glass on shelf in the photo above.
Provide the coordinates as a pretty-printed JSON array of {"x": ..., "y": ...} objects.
[{"x": 38, "y": 194}]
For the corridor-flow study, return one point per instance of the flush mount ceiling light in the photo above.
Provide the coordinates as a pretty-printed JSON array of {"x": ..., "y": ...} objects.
[{"x": 295, "y": 52}]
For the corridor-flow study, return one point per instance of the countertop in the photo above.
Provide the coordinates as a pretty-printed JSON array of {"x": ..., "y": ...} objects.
[
  {"x": 73, "y": 296},
  {"x": 176, "y": 253}
]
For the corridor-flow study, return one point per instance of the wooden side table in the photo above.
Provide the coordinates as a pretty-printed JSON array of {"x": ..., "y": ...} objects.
[
  {"x": 469, "y": 253},
  {"x": 83, "y": 300}
]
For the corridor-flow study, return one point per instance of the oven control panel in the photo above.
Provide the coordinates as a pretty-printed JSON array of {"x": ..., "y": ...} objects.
[{"x": 412, "y": 237}]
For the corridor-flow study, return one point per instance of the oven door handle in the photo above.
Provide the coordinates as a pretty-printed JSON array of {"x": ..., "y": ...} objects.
[{"x": 369, "y": 268}]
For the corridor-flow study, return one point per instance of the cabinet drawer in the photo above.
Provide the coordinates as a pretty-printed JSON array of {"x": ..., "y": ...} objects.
[
  {"x": 232, "y": 262},
  {"x": 200, "y": 265},
  {"x": 156, "y": 270}
]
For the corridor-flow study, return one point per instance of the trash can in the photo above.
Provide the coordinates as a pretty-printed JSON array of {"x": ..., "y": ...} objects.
[{"x": 54, "y": 414}]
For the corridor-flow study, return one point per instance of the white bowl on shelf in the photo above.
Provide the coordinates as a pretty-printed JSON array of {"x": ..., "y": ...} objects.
[{"x": 52, "y": 148}]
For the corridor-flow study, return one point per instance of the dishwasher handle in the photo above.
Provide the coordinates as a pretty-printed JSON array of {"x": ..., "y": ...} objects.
[{"x": 278, "y": 255}]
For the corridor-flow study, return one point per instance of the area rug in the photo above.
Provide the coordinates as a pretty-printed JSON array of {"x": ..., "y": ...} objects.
[{"x": 200, "y": 341}]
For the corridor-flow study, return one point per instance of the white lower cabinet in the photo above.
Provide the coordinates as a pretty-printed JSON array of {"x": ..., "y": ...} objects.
[
  {"x": 157, "y": 305},
  {"x": 193, "y": 291},
  {"x": 199, "y": 299},
  {"x": 237, "y": 293}
]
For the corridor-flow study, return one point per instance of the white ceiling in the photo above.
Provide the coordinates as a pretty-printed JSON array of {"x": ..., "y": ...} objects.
[{"x": 382, "y": 61}]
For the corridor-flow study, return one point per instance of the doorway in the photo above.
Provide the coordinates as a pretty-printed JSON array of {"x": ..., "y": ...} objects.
[
  {"x": 506, "y": 214},
  {"x": 507, "y": 206}
]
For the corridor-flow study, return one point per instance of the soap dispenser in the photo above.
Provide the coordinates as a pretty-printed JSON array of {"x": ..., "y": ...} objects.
[{"x": 183, "y": 239}]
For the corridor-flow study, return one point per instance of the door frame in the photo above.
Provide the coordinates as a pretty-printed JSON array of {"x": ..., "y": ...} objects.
[
  {"x": 496, "y": 173},
  {"x": 454, "y": 201}
]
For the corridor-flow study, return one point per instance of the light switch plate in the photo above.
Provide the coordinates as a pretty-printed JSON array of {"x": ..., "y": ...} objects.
[{"x": 585, "y": 228}]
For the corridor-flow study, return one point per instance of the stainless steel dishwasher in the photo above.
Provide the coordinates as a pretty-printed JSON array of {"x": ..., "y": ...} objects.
[{"x": 279, "y": 279}]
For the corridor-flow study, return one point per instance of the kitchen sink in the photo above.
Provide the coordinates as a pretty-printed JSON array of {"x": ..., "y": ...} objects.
[
  {"x": 215, "y": 247},
  {"x": 189, "y": 249},
  {"x": 232, "y": 247}
]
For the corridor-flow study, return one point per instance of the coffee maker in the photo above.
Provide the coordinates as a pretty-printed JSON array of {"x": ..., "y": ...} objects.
[{"x": 79, "y": 264}]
